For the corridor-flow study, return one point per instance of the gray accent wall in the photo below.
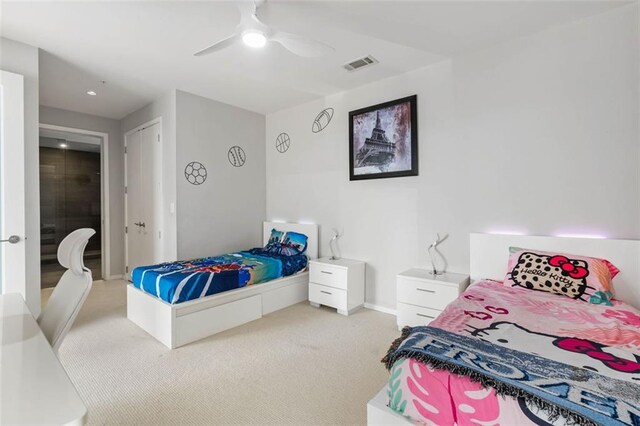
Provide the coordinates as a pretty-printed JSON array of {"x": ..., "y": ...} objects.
[
  {"x": 61, "y": 117},
  {"x": 22, "y": 59},
  {"x": 226, "y": 212},
  {"x": 538, "y": 135}
]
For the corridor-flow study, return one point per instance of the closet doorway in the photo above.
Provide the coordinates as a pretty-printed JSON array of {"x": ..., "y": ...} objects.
[
  {"x": 143, "y": 195},
  {"x": 73, "y": 195}
]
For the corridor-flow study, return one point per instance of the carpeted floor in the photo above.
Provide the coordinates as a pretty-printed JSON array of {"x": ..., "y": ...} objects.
[{"x": 300, "y": 365}]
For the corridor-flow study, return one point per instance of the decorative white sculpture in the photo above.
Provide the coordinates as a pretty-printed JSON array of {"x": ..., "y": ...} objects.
[
  {"x": 434, "y": 252},
  {"x": 333, "y": 245}
]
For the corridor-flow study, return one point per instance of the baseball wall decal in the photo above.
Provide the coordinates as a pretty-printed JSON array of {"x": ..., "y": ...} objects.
[{"x": 236, "y": 156}]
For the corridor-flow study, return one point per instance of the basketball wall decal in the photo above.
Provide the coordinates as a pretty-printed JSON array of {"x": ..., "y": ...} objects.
[
  {"x": 236, "y": 156},
  {"x": 195, "y": 173},
  {"x": 283, "y": 141},
  {"x": 322, "y": 120}
]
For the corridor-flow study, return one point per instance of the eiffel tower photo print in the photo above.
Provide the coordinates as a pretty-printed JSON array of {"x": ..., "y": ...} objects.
[{"x": 383, "y": 140}]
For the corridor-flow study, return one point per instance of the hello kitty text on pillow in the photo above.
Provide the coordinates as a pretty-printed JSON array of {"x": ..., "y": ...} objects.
[{"x": 578, "y": 277}]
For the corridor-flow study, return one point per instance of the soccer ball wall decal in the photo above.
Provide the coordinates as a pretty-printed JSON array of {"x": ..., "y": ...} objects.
[
  {"x": 236, "y": 156},
  {"x": 322, "y": 120},
  {"x": 195, "y": 173}
]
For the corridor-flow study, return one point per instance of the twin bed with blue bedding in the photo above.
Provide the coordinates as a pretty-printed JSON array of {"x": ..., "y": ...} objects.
[
  {"x": 183, "y": 301},
  {"x": 181, "y": 281}
]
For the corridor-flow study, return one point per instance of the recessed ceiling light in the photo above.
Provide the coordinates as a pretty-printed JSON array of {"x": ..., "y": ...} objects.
[
  {"x": 63, "y": 145},
  {"x": 254, "y": 39},
  {"x": 91, "y": 93}
]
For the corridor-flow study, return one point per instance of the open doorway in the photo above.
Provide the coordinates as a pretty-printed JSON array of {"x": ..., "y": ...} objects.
[{"x": 72, "y": 196}]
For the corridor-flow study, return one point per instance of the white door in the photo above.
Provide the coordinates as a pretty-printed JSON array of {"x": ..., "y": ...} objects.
[
  {"x": 12, "y": 199},
  {"x": 143, "y": 197}
]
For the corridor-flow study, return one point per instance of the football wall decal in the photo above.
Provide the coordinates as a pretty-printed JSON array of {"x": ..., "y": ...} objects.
[{"x": 322, "y": 120}]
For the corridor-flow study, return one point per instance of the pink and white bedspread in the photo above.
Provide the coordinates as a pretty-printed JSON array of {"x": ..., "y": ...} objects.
[{"x": 598, "y": 338}]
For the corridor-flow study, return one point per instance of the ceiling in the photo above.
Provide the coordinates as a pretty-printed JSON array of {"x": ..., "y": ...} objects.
[{"x": 142, "y": 49}]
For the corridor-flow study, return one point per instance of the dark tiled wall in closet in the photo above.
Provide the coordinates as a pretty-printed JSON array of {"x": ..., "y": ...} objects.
[{"x": 69, "y": 198}]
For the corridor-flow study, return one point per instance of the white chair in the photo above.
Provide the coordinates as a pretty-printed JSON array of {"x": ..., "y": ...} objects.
[{"x": 72, "y": 289}]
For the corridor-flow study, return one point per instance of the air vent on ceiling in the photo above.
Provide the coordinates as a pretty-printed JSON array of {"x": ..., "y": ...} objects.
[{"x": 360, "y": 63}]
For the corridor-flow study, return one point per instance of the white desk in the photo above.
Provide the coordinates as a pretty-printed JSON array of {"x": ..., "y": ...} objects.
[{"x": 34, "y": 388}]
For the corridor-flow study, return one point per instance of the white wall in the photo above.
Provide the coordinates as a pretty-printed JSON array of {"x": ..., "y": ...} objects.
[
  {"x": 22, "y": 59},
  {"x": 538, "y": 135},
  {"x": 61, "y": 117},
  {"x": 164, "y": 107},
  {"x": 226, "y": 212}
]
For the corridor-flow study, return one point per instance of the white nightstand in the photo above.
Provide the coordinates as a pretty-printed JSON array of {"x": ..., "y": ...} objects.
[
  {"x": 337, "y": 283},
  {"x": 422, "y": 296}
]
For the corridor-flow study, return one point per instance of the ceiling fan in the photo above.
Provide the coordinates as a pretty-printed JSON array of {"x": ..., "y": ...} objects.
[{"x": 255, "y": 33}]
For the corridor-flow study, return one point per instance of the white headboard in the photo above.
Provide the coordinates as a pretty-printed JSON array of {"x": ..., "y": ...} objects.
[
  {"x": 310, "y": 230},
  {"x": 490, "y": 254}
]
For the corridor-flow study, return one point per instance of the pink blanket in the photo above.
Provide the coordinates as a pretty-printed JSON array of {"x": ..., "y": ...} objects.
[{"x": 600, "y": 338}]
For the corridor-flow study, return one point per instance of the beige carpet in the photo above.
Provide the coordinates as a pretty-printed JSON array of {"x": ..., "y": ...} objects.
[{"x": 300, "y": 365}]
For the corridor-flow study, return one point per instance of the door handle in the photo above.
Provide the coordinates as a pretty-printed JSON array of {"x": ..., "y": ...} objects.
[
  {"x": 140, "y": 224},
  {"x": 14, "y": 239}
]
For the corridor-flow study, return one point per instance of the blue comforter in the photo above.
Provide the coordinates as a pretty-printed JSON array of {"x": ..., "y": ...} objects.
[{"x": 177, "y": 282}]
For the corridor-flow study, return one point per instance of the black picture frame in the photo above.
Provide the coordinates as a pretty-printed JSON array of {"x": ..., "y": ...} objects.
[{"x": 386, "y": 149}]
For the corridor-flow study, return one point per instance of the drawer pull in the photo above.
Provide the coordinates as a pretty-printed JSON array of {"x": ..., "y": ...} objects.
[
  {"x": 325, "y": 292},
  {"x": 423, "y": 315},
  {"x": 426, "y": 290},
  {"x": 327, "y": 272}
]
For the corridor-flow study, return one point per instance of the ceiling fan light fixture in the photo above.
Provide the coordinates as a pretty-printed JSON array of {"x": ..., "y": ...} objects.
[
  {"x": 256, "y": 34},
  {"x": 254, "y": 39}
]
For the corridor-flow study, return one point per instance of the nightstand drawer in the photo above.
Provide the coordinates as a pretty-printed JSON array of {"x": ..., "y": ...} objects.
[
  {"x": 328, "y": 296},
  {"x": 415, "y": 315},
  {"x": 425, "y": 293},
  {"x": 321, "y": 273}
]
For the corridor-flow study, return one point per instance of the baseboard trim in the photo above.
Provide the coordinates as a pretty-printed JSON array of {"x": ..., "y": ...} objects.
[
  {"x": 380, "y": 309},
  {"x": 114, "y": 277}
]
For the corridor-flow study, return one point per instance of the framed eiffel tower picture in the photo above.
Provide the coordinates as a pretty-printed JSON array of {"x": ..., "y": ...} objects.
[{"x": 383, "y": 140}]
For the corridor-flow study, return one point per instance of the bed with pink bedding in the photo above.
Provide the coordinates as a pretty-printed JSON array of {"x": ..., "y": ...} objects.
[{"x": 597, "y": 345}]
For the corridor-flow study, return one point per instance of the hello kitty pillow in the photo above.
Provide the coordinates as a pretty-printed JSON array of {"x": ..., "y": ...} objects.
[{"x": 578, "y": 277}]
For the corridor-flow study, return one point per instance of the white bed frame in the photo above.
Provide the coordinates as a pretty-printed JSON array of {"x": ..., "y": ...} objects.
[
  {"x": 489, "y": 255},
  {"x": 182, "y": 323}
]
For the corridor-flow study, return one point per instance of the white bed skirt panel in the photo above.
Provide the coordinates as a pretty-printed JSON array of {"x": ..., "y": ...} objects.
[{"x": 179, "y": 324}]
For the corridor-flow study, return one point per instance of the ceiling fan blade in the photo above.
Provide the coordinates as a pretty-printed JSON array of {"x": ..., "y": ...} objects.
[
  {"x": 247, "y": 10},
  {"x": 219, "y": 45},
  {"x": 302, "y": 46},
  {"x": 249, "y": 17}
]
